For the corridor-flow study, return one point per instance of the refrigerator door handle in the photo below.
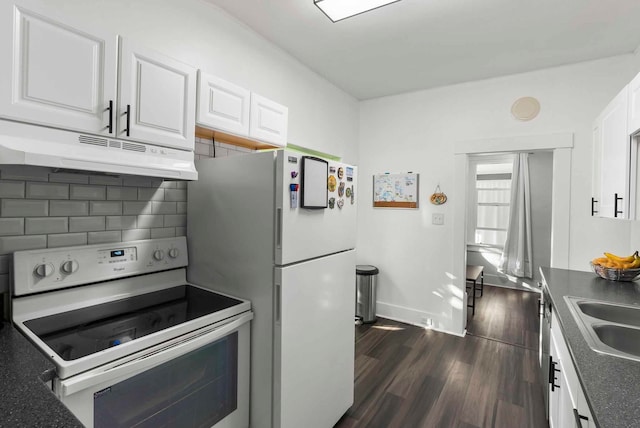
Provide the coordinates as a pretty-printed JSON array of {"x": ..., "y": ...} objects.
[
  {"x": 278, "y": 228},
  {"x": 278, "y": 302}
]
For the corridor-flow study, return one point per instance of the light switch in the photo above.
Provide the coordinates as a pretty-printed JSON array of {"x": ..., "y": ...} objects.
[{"x": 437, "y": 218}]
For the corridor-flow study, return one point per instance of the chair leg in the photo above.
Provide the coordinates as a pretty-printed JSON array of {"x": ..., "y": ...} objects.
[
  {"x": 473, "y": 311},
  {"x": 473, "y": 298}
]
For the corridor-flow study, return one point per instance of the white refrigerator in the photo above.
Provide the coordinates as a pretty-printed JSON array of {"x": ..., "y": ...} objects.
[{"x": 278, "y": 228}]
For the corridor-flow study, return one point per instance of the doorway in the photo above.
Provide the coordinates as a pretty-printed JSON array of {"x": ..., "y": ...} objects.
[
  {"x": 561, "y": 146},
  {"x": 488, "y": 214}
]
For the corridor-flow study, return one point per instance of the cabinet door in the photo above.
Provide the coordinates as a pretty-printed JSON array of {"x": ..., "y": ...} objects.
[
  {"x": 584, "y": 413},
  {"x": 614, "y": 154},
  {"x": 565, "y": 400},
  {"x": 156, "y": 98},
  {"x": 55, "y": 72},
  {"x": 222, "y": 105},
  {"x": 634, "y": 106},
  {"x": 269, "y": 121},
  {"x": 597, "y": 165},
  {"x": 554, "y": 390}
]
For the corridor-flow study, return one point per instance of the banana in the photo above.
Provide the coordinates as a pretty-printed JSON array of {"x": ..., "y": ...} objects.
[
  {"x": 600, "y": 260},
  {"x": 613, "y": 261},
  {"x": 627, "y": 259},
  {"x": 634, "y": 264}
]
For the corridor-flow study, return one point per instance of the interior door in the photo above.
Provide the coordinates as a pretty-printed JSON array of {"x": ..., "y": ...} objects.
[
  {"x": 55, "y": 72},
  {"x": 156, "y": 98},
  {"x": 314, "y": 341},
  {"x": 305, "y": 233}
]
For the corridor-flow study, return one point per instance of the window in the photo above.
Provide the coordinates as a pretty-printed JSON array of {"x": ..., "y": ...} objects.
[{"x": 490, "y": 198}]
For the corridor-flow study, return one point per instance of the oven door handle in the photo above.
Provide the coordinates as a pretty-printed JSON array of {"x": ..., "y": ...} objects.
[{"x": 151, "y": 357}]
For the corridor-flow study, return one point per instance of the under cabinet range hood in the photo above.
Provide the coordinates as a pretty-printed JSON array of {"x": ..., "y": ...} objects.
[{"x": 25, "y": 144}]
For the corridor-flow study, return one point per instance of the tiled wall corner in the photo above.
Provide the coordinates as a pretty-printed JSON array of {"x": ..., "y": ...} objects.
[{"x": 40, "y": 208}]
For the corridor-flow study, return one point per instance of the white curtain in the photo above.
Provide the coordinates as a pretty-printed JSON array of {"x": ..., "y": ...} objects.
[{"x": 517, "y": 255}]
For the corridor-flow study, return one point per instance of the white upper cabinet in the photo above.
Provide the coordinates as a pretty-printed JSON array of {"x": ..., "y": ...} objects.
[
  {"x": 612, "y": 146},
  {"x": 63, "y": 75},
  {"x": 156, "y": 98},
  {"x": 268, "y": 120},
  {"x": 230, "y": 108},
  {"x": 634, "y": 106},
  {"x": 55, "y": 74},
  {"x": 222, "y": 105}
]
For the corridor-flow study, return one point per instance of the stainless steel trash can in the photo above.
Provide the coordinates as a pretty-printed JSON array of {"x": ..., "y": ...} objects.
[{"x": 366, "y": 283}]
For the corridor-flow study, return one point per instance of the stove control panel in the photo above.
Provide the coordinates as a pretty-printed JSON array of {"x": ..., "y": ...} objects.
[
  {"x": 118, "y": 255},
  {"x": 49, "y": 269}
]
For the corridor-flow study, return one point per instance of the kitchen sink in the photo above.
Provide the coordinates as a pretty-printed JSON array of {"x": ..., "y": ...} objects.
[
  {"x": 608, "y": 328},
  {"x": 624, "y": 339},
  {"x": 607, "y": 312}
]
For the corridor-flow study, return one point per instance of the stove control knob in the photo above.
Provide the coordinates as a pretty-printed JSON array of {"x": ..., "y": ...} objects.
[
  {"x": 44, "y": 270},
  {"x": 70, "y": 266},
  {"x": 158, "y": 255},
  {"x": 173, "y": 253}
]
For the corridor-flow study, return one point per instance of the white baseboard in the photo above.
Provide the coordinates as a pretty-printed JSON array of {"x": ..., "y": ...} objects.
[{"x": 413, "y": 317}]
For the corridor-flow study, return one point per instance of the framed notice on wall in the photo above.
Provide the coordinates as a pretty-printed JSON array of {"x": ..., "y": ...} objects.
[{"x": 395, "y": 190}]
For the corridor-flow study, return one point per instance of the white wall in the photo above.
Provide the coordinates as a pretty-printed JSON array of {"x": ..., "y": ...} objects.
[
  {"x": 321, "y": 116},
  {"x": 417, "y": 131}
]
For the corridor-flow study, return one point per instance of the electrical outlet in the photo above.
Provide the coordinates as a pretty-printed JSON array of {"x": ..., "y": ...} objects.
[
  {"x": 437, "y": 218},
  {"x": 426, "y": 321}
]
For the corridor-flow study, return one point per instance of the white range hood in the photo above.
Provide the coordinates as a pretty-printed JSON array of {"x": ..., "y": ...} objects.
[{"x": 25, "y": 144}]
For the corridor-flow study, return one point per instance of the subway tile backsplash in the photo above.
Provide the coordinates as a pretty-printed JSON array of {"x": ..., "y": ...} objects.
[
  {"x": 206, "y": 149},
  {"x": 42, "y": 208}
]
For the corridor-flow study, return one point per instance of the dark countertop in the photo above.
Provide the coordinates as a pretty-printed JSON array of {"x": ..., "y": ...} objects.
[
  {"x": 611, "y": 384},
  {"x": 25, "y": 400}
]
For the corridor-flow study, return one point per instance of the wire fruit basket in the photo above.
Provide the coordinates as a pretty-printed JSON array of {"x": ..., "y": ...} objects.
[{"x": 614, "y": 274}]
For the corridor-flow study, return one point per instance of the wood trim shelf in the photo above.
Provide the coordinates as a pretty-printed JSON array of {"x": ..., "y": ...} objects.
[
  {"x": 389, "y": 204},
  {"x": 234, "y": 140}
]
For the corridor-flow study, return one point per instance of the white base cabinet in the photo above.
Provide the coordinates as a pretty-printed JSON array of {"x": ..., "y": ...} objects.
[
  {"x": 567, "y": 404},
  {"x": 60, "y": 74}
]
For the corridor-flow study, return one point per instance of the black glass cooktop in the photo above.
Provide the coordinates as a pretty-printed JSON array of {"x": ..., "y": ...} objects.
[{"x": 82, "y": 332}]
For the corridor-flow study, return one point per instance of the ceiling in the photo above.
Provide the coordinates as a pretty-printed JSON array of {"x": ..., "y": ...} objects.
[{"x": 420, "y": 44}]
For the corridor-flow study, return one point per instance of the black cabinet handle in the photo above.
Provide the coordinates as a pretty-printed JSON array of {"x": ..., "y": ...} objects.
[
  {"x": 128, "y": 113},
  {"x": 110, "y": 116},
  {"x": 552, "y": 373},
  {"x": 594, "y": 201},
  {"x": 615, "y": 206},
  {"x": 540, "y": 308},
  {"x": 579, "y": 418}
]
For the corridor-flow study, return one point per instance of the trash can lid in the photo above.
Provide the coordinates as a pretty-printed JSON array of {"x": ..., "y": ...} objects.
[{"x": 366, "y": 270}]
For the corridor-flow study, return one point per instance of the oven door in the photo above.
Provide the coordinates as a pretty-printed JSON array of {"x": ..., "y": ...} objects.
[{"x": 200, "y": 379}]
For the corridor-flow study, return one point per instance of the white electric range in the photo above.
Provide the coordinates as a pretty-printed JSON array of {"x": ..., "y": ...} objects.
[{"x": 133, "y": 343}]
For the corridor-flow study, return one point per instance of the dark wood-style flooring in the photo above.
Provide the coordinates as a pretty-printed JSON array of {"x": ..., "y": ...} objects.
[{"x": 408, "y": 377}]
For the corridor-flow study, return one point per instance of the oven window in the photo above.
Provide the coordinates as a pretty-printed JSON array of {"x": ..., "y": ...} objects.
[{"x": 197, "y": 389}]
